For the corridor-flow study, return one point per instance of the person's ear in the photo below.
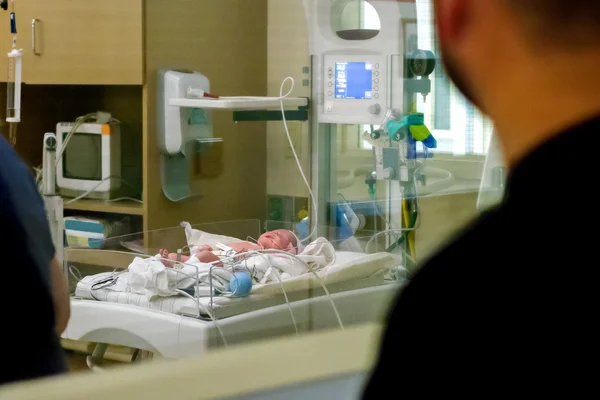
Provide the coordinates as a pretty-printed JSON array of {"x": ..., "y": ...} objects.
[{"x": 451, "y": 17}]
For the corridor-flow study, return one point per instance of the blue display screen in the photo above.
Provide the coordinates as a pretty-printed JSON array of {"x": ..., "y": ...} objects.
[{"x": 354, "y": 80}]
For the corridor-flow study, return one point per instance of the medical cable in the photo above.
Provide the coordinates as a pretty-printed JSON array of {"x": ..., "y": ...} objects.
[
  {"x": 388, "y": 231},
  {"x": 291, "y": 143},
  {"x": 78, "y": 122},
  {"x": 75, "y": 273},
  {"x": 308, "y": 267},
  {"x": 377, "y": 212},
  {"x": 313, "y": 272},
  {"x": 111, "y": 280},
  {"x": 415, "y": 224},
  {"x": 81, "y": 196},
  {"x": 280, "y": 281},
  {"x": 196, "y": 299},
  {"x": 281, "y": 98},
  {"x": 287, "y": 300},
  {"x": 211, "y": 316},
  {"x": 73, "y": 270}
]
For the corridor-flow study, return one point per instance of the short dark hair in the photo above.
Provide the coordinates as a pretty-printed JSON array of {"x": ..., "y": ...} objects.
[{"x": 572, "y": 22}]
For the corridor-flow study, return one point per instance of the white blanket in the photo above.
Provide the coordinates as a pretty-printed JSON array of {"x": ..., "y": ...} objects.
[
  {"x": 350, "y": 271},
  {"x": 196, "y": 238},
  {"x": 151, "y": 278},
  {"x": 316, "y": 256}
]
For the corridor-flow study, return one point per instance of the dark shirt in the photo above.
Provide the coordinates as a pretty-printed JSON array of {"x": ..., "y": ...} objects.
[
  {"x": 31, "y": 348},
  {"x": 510, "y": 305}
]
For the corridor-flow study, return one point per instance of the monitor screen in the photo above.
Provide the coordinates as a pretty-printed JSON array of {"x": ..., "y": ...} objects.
[
  {"x": 354, "y": 80},
  {"x": 82, "y": 158}
]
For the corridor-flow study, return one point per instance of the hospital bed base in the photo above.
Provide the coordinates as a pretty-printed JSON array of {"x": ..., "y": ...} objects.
[{"x": 175, "y": 336}]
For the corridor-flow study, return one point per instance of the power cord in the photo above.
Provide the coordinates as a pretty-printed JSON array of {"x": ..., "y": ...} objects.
[
  {"x": 78, "y": 122},
  {"x": 281, "y": 99},
  {"x": 287, "y": 133},
  {"x": 97, "y": 186}
]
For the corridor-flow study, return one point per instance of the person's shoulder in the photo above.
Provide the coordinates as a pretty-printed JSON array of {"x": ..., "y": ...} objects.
[
  {"x": 23, "y": 215},
  {"x": 16, "y": 178},
  {"x": 12, "y": 168},
  {"x": 480, "y": 242}
]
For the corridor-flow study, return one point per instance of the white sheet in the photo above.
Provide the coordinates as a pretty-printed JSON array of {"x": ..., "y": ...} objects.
[
  {"x": 151, "y": 278},
  {"x": 351, "y": 270},
  {"x": 196, "y": 238}
]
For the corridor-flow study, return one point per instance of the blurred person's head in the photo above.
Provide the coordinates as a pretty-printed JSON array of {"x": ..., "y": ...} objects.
[{"x": 531, "y": 65}]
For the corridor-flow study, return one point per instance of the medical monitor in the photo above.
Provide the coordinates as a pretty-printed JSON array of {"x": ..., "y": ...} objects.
[
  {"x": 355, "y": 89},
  {"x": 91, "y": 160},
  {"x": 354, "y": 80}
]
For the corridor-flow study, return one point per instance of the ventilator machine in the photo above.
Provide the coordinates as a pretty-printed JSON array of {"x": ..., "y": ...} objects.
[{"x": 368, "y": 77}]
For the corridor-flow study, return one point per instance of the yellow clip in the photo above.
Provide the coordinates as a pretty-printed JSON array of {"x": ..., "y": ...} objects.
[{"x": 419, "y": 132}]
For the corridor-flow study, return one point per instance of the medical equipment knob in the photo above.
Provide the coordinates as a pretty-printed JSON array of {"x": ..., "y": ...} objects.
[
  {"x": 375, "y": 134},
  {"x": 421, "y": 62},
  {"x": 388, "y": 173},
  {"x": 375, "y": 109},
  {"x": 50, "y": 143},
  {"x": 400, "y": 135}
]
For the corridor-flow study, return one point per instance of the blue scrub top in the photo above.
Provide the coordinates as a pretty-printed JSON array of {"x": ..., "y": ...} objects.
[{"x": 26, "y": 296}]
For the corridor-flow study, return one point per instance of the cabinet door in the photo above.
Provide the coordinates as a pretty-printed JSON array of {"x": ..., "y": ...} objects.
[
  {"x": 5, "y": 43},
  {"x": 81, "y": 42}
]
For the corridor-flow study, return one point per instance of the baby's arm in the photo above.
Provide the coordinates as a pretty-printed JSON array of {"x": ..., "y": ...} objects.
[
  {"x": 244, "y": 246},
  {"x": 204, "y": 247},
  {"x": 208, "y": 257}
]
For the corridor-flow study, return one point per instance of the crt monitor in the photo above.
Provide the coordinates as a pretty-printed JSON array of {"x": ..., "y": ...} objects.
[
  {"x": 91, "y": 160},
  {"x": 82, "y": 159}
]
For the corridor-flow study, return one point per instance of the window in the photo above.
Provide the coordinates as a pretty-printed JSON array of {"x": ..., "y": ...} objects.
[{"x": 456, "y": 124}]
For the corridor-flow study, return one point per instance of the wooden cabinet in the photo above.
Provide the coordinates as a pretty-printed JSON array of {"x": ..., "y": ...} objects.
[
  {"x": 106, "y": 54},
  {"x": 78, "y": 42},
  {"x": 5, "y": 43}
]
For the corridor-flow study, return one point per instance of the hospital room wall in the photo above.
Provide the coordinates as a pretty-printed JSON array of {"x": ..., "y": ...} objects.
[
  {"x": 226, "y": 43},
  {"x": 288, "y": 53}
]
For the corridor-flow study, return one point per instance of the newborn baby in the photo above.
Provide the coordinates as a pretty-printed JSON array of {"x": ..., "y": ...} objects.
[{"x": 279, "y": 239}]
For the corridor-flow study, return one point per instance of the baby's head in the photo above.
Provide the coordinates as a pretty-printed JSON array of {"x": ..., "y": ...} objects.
[{"x": 279, "y": 239}]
